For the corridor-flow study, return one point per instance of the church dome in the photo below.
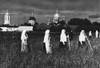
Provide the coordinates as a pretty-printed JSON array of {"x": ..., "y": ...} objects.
[
  {"x": 32, "y": 18},
  {"x": 56, "y": 15}
]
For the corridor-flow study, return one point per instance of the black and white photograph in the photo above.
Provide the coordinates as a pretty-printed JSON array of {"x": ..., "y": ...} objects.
[{"x": 49, "y": 33}]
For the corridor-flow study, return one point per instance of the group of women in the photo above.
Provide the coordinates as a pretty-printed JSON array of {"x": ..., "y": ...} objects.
[{"x": 64, "y": 40}]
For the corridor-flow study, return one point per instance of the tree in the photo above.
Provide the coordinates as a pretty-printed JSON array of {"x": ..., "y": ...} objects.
[{"x": 78, "y": 21}]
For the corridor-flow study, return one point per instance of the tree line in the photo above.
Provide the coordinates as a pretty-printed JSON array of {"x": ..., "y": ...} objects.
[{"x": 82, "y": 24}]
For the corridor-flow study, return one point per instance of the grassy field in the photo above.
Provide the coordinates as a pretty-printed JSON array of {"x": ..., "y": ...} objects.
[{"x": 11, "y": 57}]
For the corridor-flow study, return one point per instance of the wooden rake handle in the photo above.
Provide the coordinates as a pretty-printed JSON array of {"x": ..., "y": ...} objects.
[{"x": 89, "y": 43}]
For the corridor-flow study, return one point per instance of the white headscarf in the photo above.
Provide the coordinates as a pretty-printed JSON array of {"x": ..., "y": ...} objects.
[
  {"x": 96, "y": 33},
  {"x": 82, "y": 36},
  {"x": 90, "y": 33},
  {"x": 46, "y": 37},
  {"x": 63, "y": 37}
]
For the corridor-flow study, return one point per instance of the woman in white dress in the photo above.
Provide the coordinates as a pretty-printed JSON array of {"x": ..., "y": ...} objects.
[
  {"x": 82, "y": 38},
  {"x": 24, "y": 38},
  {"x": 90, "y": 34},
  {"x": 63, "y": 39},
  {"x": 97, "y": 34},
  {"x": 46, "y": 41}
]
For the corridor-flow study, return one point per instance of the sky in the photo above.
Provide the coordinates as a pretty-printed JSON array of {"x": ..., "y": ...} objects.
[{"x": 81, "y": 5}]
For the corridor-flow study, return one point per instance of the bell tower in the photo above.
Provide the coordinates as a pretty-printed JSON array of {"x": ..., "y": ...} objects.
[{"x": 7, "y": 18}]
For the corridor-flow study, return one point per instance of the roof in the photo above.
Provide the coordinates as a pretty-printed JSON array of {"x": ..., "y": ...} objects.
[{"x": 32, "y": 18}]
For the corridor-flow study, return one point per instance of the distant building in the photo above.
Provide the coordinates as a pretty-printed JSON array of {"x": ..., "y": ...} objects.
[
  {"x": 7, "y": 18},
  {"x": 16, "y": 28},
  {"x": 56, "y": 17},
  {"x": 4, "y": 29},
  {"x": 7, "y": 27},
  {"x": 32, "y": 20},
  {"x": 27, "y": 28}
]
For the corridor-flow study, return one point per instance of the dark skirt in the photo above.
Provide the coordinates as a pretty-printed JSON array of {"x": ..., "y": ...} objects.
[
  {"x": 79, "y": 44},
  {"x": 90, "y": 37},
  {"x": 61, "y": 45},
  {"x": 44, "y": 48}
]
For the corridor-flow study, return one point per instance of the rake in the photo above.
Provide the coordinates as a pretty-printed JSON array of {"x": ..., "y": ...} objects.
[
  {"x": 89, "y": 43},
  {"x": 69, "y": 43}
]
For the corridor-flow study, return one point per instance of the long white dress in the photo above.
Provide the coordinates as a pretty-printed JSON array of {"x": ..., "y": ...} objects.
[
  {"x": 47, "y": 42},
  {"x": 82, "y": 37},
  {"x": 63, "y": 37},
  {"x": 24, "y": 41},
  {"x": 97, "y": 34}
]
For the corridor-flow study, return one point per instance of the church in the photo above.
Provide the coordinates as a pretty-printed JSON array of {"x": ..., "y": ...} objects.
[
  {"x": 56, "y": 17},
  {"x": 7, "y": 18}
]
